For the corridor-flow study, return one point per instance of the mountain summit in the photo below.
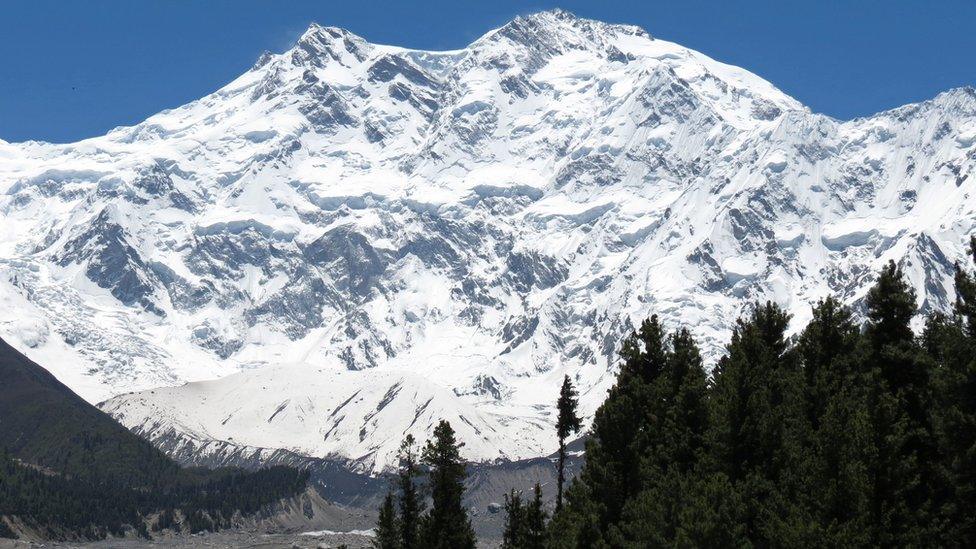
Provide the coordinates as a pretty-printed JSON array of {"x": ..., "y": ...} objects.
[{"x": 359, "y": 239}]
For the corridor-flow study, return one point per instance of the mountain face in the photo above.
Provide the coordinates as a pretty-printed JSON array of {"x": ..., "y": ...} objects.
[{"x": 352, "y": 241}]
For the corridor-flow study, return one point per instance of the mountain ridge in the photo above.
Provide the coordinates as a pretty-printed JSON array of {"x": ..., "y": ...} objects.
[{"x": 446, "y": 234}]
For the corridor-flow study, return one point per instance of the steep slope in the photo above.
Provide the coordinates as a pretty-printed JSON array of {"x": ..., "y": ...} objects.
[
  {"x": 369, "y": 238},
  {"x": 69, "y": 471},
  {"x": 42, "y": 422}
]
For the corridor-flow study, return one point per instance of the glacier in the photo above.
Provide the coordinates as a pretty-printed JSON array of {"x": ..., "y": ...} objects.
[{"x": 352, "y": 241}]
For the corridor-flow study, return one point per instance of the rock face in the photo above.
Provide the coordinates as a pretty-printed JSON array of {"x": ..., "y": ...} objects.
[{"x": 366, "y": 239}]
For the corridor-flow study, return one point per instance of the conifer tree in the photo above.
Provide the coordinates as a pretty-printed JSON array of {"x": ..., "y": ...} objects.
[
  {"x": 567, "y": 423},
  {"x": 525, "y": 522},
  {"x": 713, "y": 513},
  {"x": 446, "y": 525},
  {"x": 411, "y": 505},
  {"x": 838, "y": 444},
  {"x": 904, "y": 473},
  {"x": 965, "y": 307},
  {"x": 840, "y": 437},
  {"x": 535, "y": 521},
  {"x": 577, "y": 524},
  {"x": 960, "y": 410},
  {"x": 671, "y": 443},
  {"x": 387, "y": 532},
  {"x": 754, "y": 433},
  {"x": 513, "y": 537},
  {"x": 827, "y": 349},
  {"x": 686, "y": 397},
  {"x": 647, "y": 438},
  {"x": 611, "y": 472},
  {"x": 952, "y": 342}
]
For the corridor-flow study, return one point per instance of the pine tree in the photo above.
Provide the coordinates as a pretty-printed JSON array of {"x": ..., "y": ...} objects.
[
  {"x": 567, "y": 424},
  {"x": 833, "y": 471},
  {"x": 965, "y": 307},
  {"x": 754, "y": 433},
  {"x": 513, "y": 537},
  {"x": 446, "y": 525},
  {"x": 611, "y": 471},
  {"x": 525, "y": 522},
  {"x": 827, "y": 349},
  {"x": 577, "y": 525},
  {"x": 387, "y": 532},
  {"x": 904, "y": 473},
  {"x": 535, "y": 521},
  {"x": 841, "y": 437},
  {"x": 671, "y": 442},
  {"x": 713, "y": 514},
  {"x": 411, "y": 506},
  {"x": 952, "y": 343},
  {"x": 647, "y": 438},
  {"x": 686, "y": 395}
]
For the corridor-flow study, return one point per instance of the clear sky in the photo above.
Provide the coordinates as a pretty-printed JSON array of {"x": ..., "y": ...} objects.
[{"x": 70, "y": 70}]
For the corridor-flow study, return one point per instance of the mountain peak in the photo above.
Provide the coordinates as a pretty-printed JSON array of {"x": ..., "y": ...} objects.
[
  {"x": 558, "y": 16},
  {"x": 556, "y": 30},
  {"x": 961, "y": 101},
  {"x": 962, "y": 93},
  {"x": 552, "y": 13},
  {"x": 318, "y": 41}
]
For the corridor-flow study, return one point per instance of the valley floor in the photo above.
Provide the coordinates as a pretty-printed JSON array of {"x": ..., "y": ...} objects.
[{"x": 228, "y": 539}]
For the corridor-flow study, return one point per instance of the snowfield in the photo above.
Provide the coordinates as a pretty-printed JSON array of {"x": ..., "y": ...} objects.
[{"x": 352, "y": 241}]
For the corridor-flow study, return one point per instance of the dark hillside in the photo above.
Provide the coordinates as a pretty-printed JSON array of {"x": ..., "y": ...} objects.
[
  {"x": 42, "y": 422},
  {"x": 69, "y": 471}
]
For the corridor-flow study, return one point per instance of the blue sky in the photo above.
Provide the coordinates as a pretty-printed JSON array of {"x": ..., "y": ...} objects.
[{"x": 70, "y": 70}]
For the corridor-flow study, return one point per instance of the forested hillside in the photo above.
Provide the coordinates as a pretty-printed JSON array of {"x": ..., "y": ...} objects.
[
  {"x": 68, "y": 471},
  {"x": 44, "y": 423}
]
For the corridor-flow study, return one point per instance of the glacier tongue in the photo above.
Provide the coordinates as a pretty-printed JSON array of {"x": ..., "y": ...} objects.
[{"x": 351, "y": 241}]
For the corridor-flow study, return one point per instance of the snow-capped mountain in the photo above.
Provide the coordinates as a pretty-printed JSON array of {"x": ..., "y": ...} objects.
[{"x": 352, "y": 241}]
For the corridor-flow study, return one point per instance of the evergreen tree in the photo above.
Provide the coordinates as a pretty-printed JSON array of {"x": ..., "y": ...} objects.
[
  {"x": 611, "y": 471},
  {"x": 577, "y": 524},
  {"x": 513, "y": 537},
  {"x": 952, "y": 343},
  {"x": 671, "y": 443},
  {"x": 686, "y": 400},
  {"x": 713, "y": 514},
  {"x": 965, "y": 307},
  {"x": 647, "y": 438},
  {"x": 827, "y": 348},
  {"x": 411, "y": 505},
  {"x": 841, "y": 437},
  {"x": 535, "y": 522},
  {"x": 387, "y": 532},
  {"x": 567, "y": 424},
  {"x": 446, "y": 525},
  {"x": 838, "y": 446},
  {"x": 959, "y": 423},
  {"x": 60, "y": 506},
  {"x": 904, "y": 473},
  {"x": 754, "y": 435},
  {"x": 525, "y": 522}
]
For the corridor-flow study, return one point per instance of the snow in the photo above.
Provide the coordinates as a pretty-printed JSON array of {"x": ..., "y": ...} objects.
[
  {"x": 739, "y": 268},
  {"x": 369, "y": 533},
  {"x": 457, "y": 230}
]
